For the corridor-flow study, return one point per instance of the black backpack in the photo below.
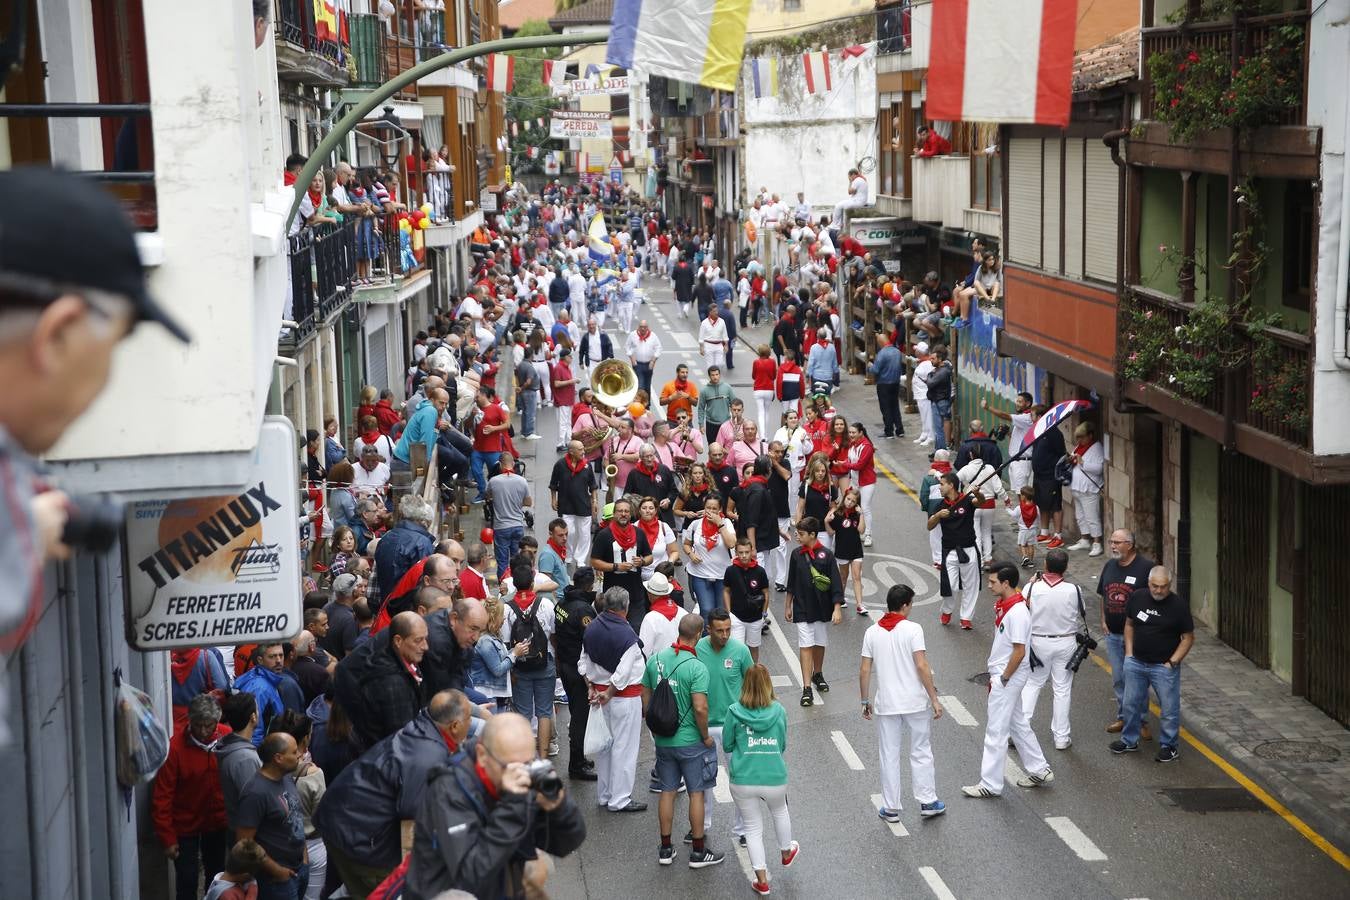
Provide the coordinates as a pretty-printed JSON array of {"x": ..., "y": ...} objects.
[
  {"x": 525, "y": 627},
  {"x": 663, "y": 710}
]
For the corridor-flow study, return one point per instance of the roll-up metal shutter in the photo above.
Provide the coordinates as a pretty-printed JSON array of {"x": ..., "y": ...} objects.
[{"x": 1024, "y": 201}]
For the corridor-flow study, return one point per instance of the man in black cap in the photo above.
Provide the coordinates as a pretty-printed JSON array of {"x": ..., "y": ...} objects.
[{"x": 71, "y": 288}]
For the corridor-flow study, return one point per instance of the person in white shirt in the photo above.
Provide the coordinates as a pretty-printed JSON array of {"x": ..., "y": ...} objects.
[
  {"x": 893, "y": 647},
  {"x": 371, "y": 478},
  {"x": 618, "y": 693},
  {"x": 708, "y": 544},
  {"x": 978, "y": 473},
  {"x": 661, "y": 625},
  {"x": 857, "y": 197},
  {"x": 918, "y": 387},
  {"x": 1057, "y": 616},
  {"x": 576, "y": 291},
  {"x": 532, "y": 689},
  {"x": 803, "y": 209},
  {"x": 1089, "y": 471},
  {"x": 1022, "y": 420},
  {"x": 1009, "y": 667},
  {"x": 712, "y": 338}
]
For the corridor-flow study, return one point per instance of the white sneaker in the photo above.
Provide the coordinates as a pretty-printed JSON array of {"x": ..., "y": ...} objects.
[
  {"x": 530, "y": 437},
  {"x": 1034, "y": 781},
  {"x": 1096, "y": 550},
  {"x": 1083, "y": 544},
  {"x": 867, "y": 540}
]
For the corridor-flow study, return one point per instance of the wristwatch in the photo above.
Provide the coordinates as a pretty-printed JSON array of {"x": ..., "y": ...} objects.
[{"x": 867, "y": 703}]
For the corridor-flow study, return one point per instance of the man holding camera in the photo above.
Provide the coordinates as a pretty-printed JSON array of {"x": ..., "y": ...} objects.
[
  {"x": 64, "y": 306},
  {"x": 1057, "y": 618},
  {"x": 486, "y": 813}
]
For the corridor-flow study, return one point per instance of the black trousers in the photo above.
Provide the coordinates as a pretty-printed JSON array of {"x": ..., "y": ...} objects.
[
  {"x": 888, "y": 398},
  {"x": 579, "y": 709},
  {"x": 197, "y": 852}
]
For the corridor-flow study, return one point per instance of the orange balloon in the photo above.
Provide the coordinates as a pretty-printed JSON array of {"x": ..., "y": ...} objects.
[{"x": 636, "y": 410}]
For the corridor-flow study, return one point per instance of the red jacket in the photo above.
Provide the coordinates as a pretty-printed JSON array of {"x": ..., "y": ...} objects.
[
  {"x": 934, "y": 145},
  {"x": 386, "y": 415},
  {"x": 187, "y": 796},
  {"x": 763, "y": 372},
  {"x": 860, "y": 458}
]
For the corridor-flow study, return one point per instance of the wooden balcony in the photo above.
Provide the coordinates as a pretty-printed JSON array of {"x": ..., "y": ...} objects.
[{"x": 306, "y": 52}]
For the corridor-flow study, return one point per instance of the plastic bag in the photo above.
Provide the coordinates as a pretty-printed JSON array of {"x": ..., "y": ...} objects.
[
  {"x": 142, "y": 740},
  {"x": 598, "y": 736}
]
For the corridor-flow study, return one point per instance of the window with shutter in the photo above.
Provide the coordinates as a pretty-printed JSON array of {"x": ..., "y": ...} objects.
[
  {"x": 1024, "y": 201},
  {"x": 1101, "y": 175},
  {"x": 1050, "y": 211},
  {"x": 377, "y": 358},
  {"x": 1074, "y": 199}
]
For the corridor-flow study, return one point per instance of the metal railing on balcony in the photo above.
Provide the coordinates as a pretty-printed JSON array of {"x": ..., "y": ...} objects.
[
  {"x": 430, "y": 34},
  {"x": 893, "y": 28},
  {"x": 368, "y": 40},
  {"x": 1270, "y": 374},
  {"x": 1257, "y": 33},
  {"x": 440, "y": 193},
  {"x": 323, "y": 267},
  {"x": 295, "y": 24}
]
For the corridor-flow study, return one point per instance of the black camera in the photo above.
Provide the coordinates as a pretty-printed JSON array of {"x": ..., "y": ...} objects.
[
  {"x": 544, "y": 778},
  {"x": 1000, "y": 432},
  {"x": 92, "y": 524},
  {"x": 1086, "y": 644}
]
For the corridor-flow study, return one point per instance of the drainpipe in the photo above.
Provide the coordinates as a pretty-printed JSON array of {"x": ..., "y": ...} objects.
[
  {"x": 1112, "y": 140},
  {"x": 1341, "y": 318}
]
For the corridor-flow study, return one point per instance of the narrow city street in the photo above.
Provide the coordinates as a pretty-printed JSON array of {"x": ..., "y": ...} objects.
[{"x": 1109, "y": 826}]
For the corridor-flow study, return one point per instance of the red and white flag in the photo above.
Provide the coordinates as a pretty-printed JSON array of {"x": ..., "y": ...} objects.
[
  {"x": 501, "y": 73},
  {"x": 1035, "y": 63},
  {"x": 583, "y": 161},
  {"x": 539, "y": 123},
  {"x": 531, "y": 152},
  {"x": 515, "y": 129},
  {"x": 817, "y": 67},
  {"x": 554, "y": 73}
]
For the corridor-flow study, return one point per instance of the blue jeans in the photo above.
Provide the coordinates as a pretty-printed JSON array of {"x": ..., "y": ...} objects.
[
  {"x": 506, "y": 544},
  {"x": 478, "y": 462},
  {"x": 708, "y": 592},
  {"x": 1166, "y": 682},
  {"x": 293, "y": 889},
  {"x": 1115, "y": 654},
  {"x": 942, "y": 410},
  {"x": 644, "y": 376},
  {"x": 529, "y": 408}
]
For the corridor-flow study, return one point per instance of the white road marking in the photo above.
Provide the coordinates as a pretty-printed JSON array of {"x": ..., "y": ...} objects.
[
  {"x": 846, "y": 751},
  {"x": 782, "y": 681},
  {"x": 957, "y": 710},
  {"x": 1072, "y": 835},
  {"x": 722, "y": 790},
  {"x": 793, "y": 666},
  {"x": 896, "y": 828},
  {"x": 743, "y": 857},
  {"x": 936, "y": 884},
  {"x": 684, "y": 340}
]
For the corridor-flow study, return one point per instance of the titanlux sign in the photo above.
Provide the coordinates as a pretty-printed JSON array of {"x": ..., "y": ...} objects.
[{"x": 223, "y": 569}]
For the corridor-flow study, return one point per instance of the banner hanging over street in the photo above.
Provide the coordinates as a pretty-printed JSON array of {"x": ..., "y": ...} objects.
[
  {"x": 591, "y": 87},
  {"x": 580, "y": 125}
]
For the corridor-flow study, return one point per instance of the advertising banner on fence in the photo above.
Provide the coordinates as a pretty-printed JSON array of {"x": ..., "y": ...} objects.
[
  {"x": 580, "y": 125},
  {"x": 592, "y": 87},
  {"x": 223, "y": 569}
]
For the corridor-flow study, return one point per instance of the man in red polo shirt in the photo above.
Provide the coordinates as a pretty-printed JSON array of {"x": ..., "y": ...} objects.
[{"x": 489, "y": 437}]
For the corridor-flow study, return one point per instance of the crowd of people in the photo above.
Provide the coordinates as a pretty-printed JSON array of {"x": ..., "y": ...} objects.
[{"x": 401, "y": 744}]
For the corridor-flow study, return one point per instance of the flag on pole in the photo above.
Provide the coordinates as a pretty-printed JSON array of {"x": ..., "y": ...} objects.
[
  {"x": 501, "y": 73},
  {"x": 1053, "y": 416},
  {"x": 817, "y": 68},
  {"x": 592, "y": 70},
  {"x": 699, "y": 43},
  {"x": 554, "y": 73},
  {"x": 1035, "y": 69},
  {"x": 764, "y": 76},
  {"x": 325, "y": 20}
]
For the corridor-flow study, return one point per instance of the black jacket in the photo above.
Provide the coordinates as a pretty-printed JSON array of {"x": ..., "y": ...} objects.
[
  {"x": 361, "y": 810},
  {"x": 584, "y": 351},
  {"x": 682, "y": 277},
  {"x": 558, "y": 291},
  {"x": 809, "y": 603},
  {"x": 1046, "y": 452},
  {"x": 660, "y": 485},
  {"x": 574, "y": 613},
  {"x": 446, "y": 663},
  {"x": 378, "y": 692},
  {"x": 465, "y": 840},
  {"x": 755, "y": 509},
  {"x": 978, "y": 448}
]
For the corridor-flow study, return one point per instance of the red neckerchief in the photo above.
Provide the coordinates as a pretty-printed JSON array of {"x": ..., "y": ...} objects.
[
  {"x": 370, "y": 437},
  {"x": 685, "y": 647},
  {"x": 487, "y": 782},
  {"x": 754, "y": 479},
  {"x": 820, "y": 488},
  {"x": 978, "y": 434},
  {"x": 524, "y": 599},
  {"x": 412, "y": 670},
  {"x": 941, "y": 466},
  {"x": 650, "y": 473},
  {"x": 682, "y": 385},
  {"x": 821, "y": 342},
  {"x": 182, "y": 662},
  {"x": 1029, "y": 512},
  {"x": 575, "y": 469},
  {"x": 1051, "y": 579},
  {"x": 666, "y": 607},
  {"x": 1001, "y": 607},
  {"x": 450, "y": 742},
  {"x": 652, "y": 529},
  {"x": 316, "y": 197},
  {"x": 697, "y": 489},
  {"x": 561, "y": 551},
  {"x": 711, "y": 533},
  {"x": 1081, "y": 448},
  {"x": 752, "y": 564},
  {"x": 643, "y": 333},
  {"x": 624, "y": 535},
  {"x": 288, "y": 179},
  {"x": 807, "y": 551},
  {"x": 890, "y": 620}
]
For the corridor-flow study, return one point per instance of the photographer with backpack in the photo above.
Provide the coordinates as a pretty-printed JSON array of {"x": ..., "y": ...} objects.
[
  {"x": 529, "y": 621},
  {"x": 675, "y": 705}
]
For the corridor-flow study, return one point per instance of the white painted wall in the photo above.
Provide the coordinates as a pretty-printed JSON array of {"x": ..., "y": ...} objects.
[
  {"x": 799, "y": 142},
  {"x": 1329, "y": 107}
]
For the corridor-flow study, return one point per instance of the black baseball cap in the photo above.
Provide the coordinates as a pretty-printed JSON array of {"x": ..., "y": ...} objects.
[{"x": 68, "y": 231}]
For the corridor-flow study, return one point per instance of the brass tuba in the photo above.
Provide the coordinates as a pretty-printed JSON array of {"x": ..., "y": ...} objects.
[{"x": 615, "y": 384}]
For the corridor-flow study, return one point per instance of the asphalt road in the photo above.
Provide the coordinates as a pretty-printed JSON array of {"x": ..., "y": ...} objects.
[{"x": 1122, "y": 827}]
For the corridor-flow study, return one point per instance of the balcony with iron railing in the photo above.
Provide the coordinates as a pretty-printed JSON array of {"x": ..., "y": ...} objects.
[
  {"x": 1264, "y": 374},
  {"x": 368, "y": 39},
  {"x": 893, "y": 28},
  {"x": 308, "y": 49},
  {"x": 322, "y": 270}
]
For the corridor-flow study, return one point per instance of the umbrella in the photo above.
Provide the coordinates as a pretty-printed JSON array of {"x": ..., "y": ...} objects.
[{"x": 1053, "y": 416}]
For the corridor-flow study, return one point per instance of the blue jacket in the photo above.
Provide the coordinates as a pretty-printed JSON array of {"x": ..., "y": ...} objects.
[
  {"x": 555, "y": 568},
  {"x": 888, "y": 365},
  {"x": 421, "y": 430},
  {"x": 490, "y": 666},
  {"x": 274, "y": 693},
  {"x": 821, "y": 365},
  {"x": 398, "y": 551}
]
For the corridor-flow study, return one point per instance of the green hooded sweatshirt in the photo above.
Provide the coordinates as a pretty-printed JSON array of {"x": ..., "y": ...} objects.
[{"x": 755, "y": 740}]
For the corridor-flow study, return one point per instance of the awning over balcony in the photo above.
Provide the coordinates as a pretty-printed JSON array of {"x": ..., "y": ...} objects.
[{"x": 410, "y": 114}]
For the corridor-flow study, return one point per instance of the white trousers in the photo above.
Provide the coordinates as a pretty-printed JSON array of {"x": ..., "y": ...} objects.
[
  {"x": 600, "y": 316},
  {"x": 1087, "y": 511},
  {"x": 738, "y": 825},
  {"x": 1019, "y": 474},
  {"x": 748, "y": 797},
  {"x": 545, "y": 381},
  {"x": 778, "y": 559},
  {"x": 616, "y": 768},
  {"x": 579, "y": 540},
  {"x": 965, "y": 581},
  {"x": 1054, "y": 653},
  {"x": 889, "y": 728},
  {"x": 714, "y": 356},
  {"x": 984, "y": 532},
  {"x": 925, "y": 418},
  {"x": 564, "y": 425},
  {"x": 625, "y": 313},
  {"x": 865, "y": 493},
  {"x": 318, "y": 867},
  {"x": 935, "y": 545},
  {"x": 764, "y": 400},
  {"x": 1008, "y": 716}
]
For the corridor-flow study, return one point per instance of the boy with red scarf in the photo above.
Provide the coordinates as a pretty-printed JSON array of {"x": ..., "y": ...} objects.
[
  {"x": 746, "y": 596},
  {"x": 815, "y": 599},
  {"x": 1009, "y": 667},
  {"x": 1024, "y": 515},
  {"x": 619, "y": 550},
  {"x": 894, "y": 646}
]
